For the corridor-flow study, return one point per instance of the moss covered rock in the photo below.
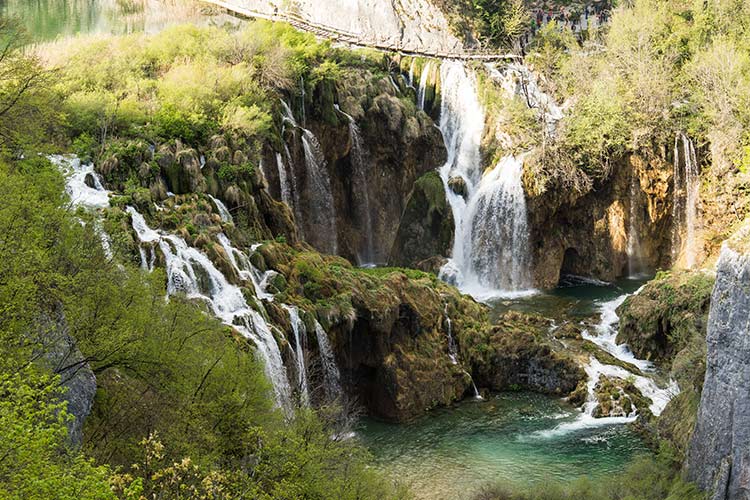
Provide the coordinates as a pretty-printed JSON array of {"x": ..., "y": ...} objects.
[{"x": 426, "y": 228}]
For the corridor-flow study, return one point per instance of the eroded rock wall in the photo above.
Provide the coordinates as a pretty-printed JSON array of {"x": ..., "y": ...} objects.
[
  {"x": 719, "y": 454},
  {"x": 589, "y": 235}
]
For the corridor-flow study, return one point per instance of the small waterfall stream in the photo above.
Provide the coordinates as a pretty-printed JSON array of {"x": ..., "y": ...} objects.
[
  {"x": 300, "y": 334},
  {"x": 685, "y": 202},
  {"x": 331, "y": 374},
  {"x": 284, "y": 187},
  {"x": 490, "y": 248},
  {"x": 190, "y": 272},
  {"x": 224, "y": 213},
  {"x": 322, "y": 213},
  {"x": 366, "y": 256},
  {"x": 423, "y": 81}
]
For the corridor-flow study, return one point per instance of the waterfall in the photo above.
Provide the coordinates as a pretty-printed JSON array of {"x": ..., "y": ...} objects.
[
  {"x": 322, "y": 213},
  {"x": 85, "y": 188},
  {"x": 190, "y": 272},
  {"x": 635, "y": 257},
  {"x": 360, "y": 173},
  {"x": 424, "y": 79},
  {"x": 300, "y": 334},
  {"x": 331, "y": 374},
  {"x": 685, "y": 201},
  {"x": 490, "y": 245},
  {"x": 411, "y": 72},
  {"x": 284, "y": 188},
  {"x": 453, "y": 350},
  {"x": 223, "y": 210}
]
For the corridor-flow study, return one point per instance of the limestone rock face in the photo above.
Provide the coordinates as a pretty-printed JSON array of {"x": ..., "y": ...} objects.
[
  {"x": 589, "y": 235},
  {"x": 407, "y": 24},
  {"x": 719, "y": 455},
  {"x": 370, "y": 175}
]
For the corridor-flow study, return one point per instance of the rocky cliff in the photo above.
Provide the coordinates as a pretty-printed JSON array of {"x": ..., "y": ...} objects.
[
  {"x": 719, "y": 455},
  {"x": 406, "y": 24}
]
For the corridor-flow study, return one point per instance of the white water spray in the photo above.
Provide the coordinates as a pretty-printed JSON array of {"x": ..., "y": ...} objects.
[
  {"x": 685, "y": 202},
  {"x": 192, "y": 273},
  {"x": 490, "y": 246},
  {"x": 300, "y": 334}
]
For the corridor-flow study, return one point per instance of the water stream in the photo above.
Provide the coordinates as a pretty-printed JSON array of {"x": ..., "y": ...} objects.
[
  {"x": 685, "y": 203},
  {"x": 490, "y": 256}
]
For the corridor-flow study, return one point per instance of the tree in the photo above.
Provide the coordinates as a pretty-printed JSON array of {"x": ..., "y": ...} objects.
[{"x": 27, "y": 106}]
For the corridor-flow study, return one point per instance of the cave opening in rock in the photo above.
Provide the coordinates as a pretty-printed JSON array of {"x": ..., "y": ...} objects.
[{"x": 572, "y": 266}]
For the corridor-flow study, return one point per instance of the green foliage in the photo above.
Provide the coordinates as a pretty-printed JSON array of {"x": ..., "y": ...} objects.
[
  {"x": 28, "y": 107},
  {"x": 35, "y": 461},
  {"x": 501, "y": 22}
]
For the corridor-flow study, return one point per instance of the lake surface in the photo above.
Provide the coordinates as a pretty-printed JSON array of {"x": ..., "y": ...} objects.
[
  {"x": 47, "y": 20},
  {"x": 510, "y": 438}
]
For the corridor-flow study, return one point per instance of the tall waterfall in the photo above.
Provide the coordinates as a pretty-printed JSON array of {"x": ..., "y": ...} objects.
[
  {"x": 360, "y": 174},
  {"x": 685, "y": 201},
  {"x": 321, "y": 213},
  {"x": 300, "y": 334},
  {"x": 635, "y": 255},
  {"x": 190, "y": 272},
  {"x": 331, "y": 374},
  {"x": 490, "y": 246}
]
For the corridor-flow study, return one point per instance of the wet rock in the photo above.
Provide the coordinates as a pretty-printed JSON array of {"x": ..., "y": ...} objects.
[
  {"x": 617, "y": 397},
  {"x": 458, "y": 186},
  {"x": 89, "y": 181}
]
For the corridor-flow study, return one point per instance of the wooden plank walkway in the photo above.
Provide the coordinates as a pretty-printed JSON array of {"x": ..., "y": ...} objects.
[{"x": 340, "y": 36}]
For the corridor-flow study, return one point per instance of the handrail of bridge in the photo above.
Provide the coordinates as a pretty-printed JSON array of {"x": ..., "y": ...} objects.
[{"x": 339, "y": 35}]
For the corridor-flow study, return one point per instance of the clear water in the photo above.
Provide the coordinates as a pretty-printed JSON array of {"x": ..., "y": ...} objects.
[
  {"x": 452, "y": 453},
  {"x": 47, "y": 20},
  {"x": 521, "y": 438}
]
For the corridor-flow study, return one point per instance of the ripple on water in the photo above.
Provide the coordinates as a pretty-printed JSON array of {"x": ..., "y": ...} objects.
[{"x": 452, "y": 453}]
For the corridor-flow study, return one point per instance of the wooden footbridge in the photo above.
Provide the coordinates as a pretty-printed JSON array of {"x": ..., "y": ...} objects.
[{"x": 355, "y": 40}]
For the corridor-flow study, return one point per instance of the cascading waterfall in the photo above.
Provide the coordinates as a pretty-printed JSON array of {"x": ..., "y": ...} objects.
[
  {"x": 322, "y": 214},
  {"x": 367, "y": 256},
  {"x": 685, "y": 201},
  {"x": 224, "y": 213},
  {"x": 190, "y": 272},
  {"x": 300, "y": 334},
  {"x": 411, "y": 72},
  {"x": 284, "y": 187},
  {"x": 490, "y": 245},
  {"x": 85, "y": 188},
  {"x": 424, "y": 79},
  {"x": 331, "y": 374},
  {"x": 635, "y": 256}
]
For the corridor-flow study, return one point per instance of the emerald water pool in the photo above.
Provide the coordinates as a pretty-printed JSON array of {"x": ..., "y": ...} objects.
[
  {"x": 452, "y": 452},
  {"x": 520, "y": 438}
]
